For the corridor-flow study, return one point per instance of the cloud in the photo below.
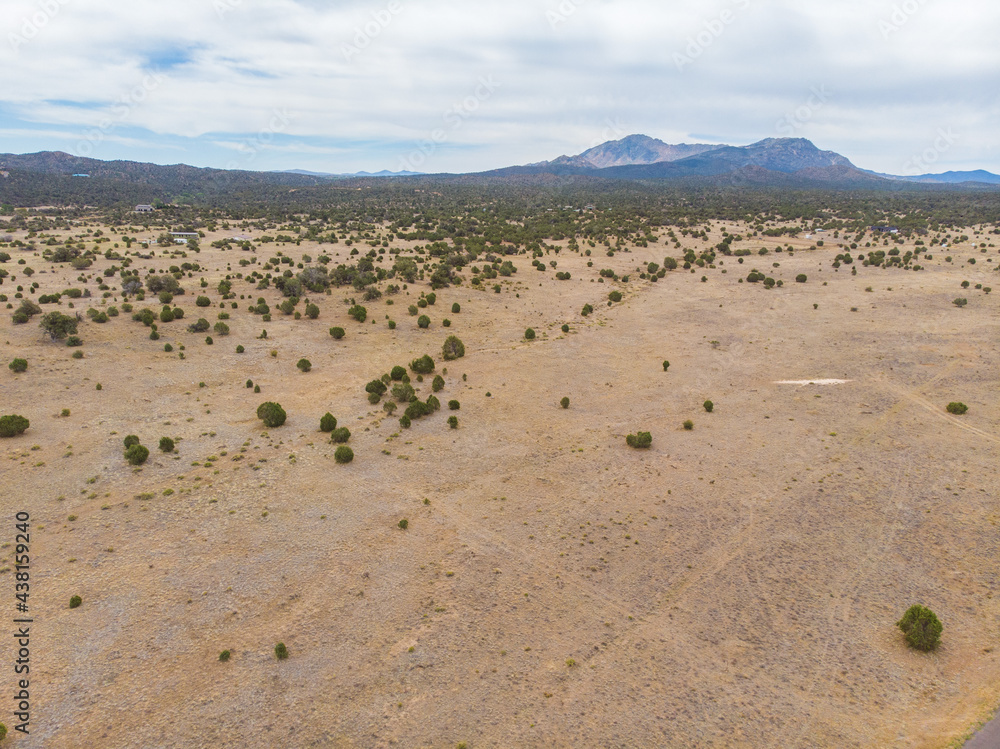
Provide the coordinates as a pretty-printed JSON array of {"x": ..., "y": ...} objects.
[{"x": 363, "y": 84}]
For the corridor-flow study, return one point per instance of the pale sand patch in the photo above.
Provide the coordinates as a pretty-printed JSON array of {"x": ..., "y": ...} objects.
[{"x": 812, "y": 382}]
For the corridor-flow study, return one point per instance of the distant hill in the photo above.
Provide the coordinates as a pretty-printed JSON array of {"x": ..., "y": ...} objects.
[
  {"x": 329, "y": 175},
  {"x": 950, "y": 178}
]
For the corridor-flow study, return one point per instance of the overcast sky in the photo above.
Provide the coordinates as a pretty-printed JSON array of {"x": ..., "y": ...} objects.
[{"x": 899, "y": 86}]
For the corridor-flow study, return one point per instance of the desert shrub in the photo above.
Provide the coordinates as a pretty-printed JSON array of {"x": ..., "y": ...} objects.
[
  {"x": 640, "y": 440},
  {"x": 389, "y": 407},
  {"x": 340, "y": 435},
  {"x": 438, "y": 384},
  {"x": 374, "y": 398},
  {"x": 564, "y": 403},
  {"x": 225, "y": 655},
  {"x": 18, "y": 365},
  {"x": 166, "y": 315},
  {"x": 922, "y": 628},
  {"x": 166, "y": 445},
  {"x": 75, "y": 602},
  {"x": 801, "y": 278},
  {"x": 203, "y": 301},
  {"x": 337, "y": 333},
  {"x": 456, "y": 308},
  {"x": 377, "y": 387},
  {"x": 423, "y": 365},
  {"x": 957, "y": 408},
  {"x": 199, "y": 327},
  {"x": 397, "y": 373},
  {"x": 272, "y": 414},
  {"x": 304, "y": 365},
  {"x": 587, "y": 310},
  {"x": 136, "y": 455},
  {"x": 412, "y": 310},
  {"x": 240, "y": 349},
  {"x": 167, "y": 347},
  {"x": 57, "y": 325},
  {"x": 77, "y": 355},
  {"x": 529, "y": 334},
  {"x": 287, "y": 307},
  {"x": 416, "y": 410},
  {"x": 280, "y": 651},
  {"x": 666, "y": 365},
  {"x": 959, "y": 302},
  {"x": 403, "y": 392},
  {"x": 453, "y": 422},
  {"x": 327, "y": 423},
  {"x": 343, "y": 455},
  {"x": 433, "y": 404},
  {"x": 431, "y": 298},
  {"x": 220, "y": 328},
  {"x": 208, "y": 340},
  {"x": 453, "y": 348},
  {"x": 709, "y": 406},
  {"x": 565, "y": 328},
  {"x": 178, "y": 313},
  {"x": 312, "y": 311},
  {"x": 358, "y": 312},
  {"x": 689, "y": 425},
  {"x": 615, "y": 296},
  {"x": 454, "y": 405},
  {"x": 404, "y": 421},
  {"x": 404, "y": 524},
  {"x": 12, "y": 425},
  {"x": 130, "y": 440},
  {"x": 423, "y": 322},
  {"x": 256, "y": 388}
]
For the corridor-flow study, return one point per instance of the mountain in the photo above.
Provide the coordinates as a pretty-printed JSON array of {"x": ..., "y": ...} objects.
[
  {"x": 329, "y": 175},
  {"x": 639, "y": 149},
  {"x": 951, "y": 178}
]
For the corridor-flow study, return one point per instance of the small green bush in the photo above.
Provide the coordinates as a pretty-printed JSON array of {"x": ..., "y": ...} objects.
[
  {"x": 130, "y": 440},
  {"x": 454, "y": 405},
  {"x": 453, "y": 422},
  {"x": 272, "y": 414},
  {"x": 304, "y": 364},
  {"x": 225, "y": 655},
  {"x": 312, "y": 311},
  {"x": 240, "y": 349},
  {"x": 689, "y": 425},
  {"x": 709, "y": 406},
  {"x": 423, "y": 365},
  {"x": 404, "y": 524},
  {"x": 221, "y": 329},
  {"x": 564, "y": 403},
  {"x": 453, "y": 348},
  {"x": 327, "y": 423},
  {"x": 200, "y": 326},
  {"x": 456, "y": 308},
  {"x": 208, "y": 340},
  {"x": 438, "y": 384},
  {"x": 166, "y": 445},
  {"x": 960, "y": 302},
  {"x": 376, "y": 387},
  {"x": 615, "y": 296},
  {"x": 529, "y": 334},
  {"x": 588, "y": 309},
  {"x": 137, "y": 454},
  {"x": 167, "y": 347},
  {"x": 404, "y": 421},
  {"x": 343, "y": 455},
  {"x": 801, "y": 278},
  {"x": 565, "y": 328},
  {"x": 922, "y": 628},
  {"x": 337, "y": 333},
  {"x": 641, "y": 440},
  {"x": 75, "y": 602},
  {"x": 340, "y": 435},
  {"x": 423, "y": 322},
  {"x": 12, "y": 425},
  {"x": 280, "y": 651},
  {"x": 666, "y": 365},
  {"x": 18, "y": 365},
  {"x": 397, "y": 373},
  {"x": 957, "y": 408},
  {"x": 358, "y": 312},
  {"x": 203, "y": 301}
]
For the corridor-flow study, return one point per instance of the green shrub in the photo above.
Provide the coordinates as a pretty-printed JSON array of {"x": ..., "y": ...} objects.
[
  {"x": 221, "y": 329},
  {"x": 709, "y": 406},
  {"x": 454, "y": 405},
  {"x": 312, "y": 311},
  {"x": 256, "y": 388},
  {"x": 922, "y": 628},
  {"x": 203, "y": 301},
  {"x": 403, "y": 392},
  {"x": 77, "y": 354},
  {"x": 280, "y": 651},
  {"x": 340, "y": 435},
  {"x": 404, "y": 421},
  {"x": 272, "y": 414},
  {"x": 416, "y": 410},
  {"x": 423, "y": 322},
  {"x": 166, "y": 445},
  {"x": 343, "y": 455},
  {"x": 666, "y": 365},
  {"x": 392, "y": 325},
  {"x": 565, "y": 328},
  {"x": 453, "y": 348},
  {"x": 404, "y": 524},
  {"x": 208, "y": 340},
  {"x": 75, "y": 602},
  {"x": 615, "y": 296},
  {"x": 389, "y": 407},
  {"x": 529, "y": 334},
  {"x": 136, "y": 455},
  {"x": 433, "y": 404},
  {"x": 397, "y": 373},
  {"x": 689, "y": 425},
  {"x": 801, "y": 278},
  {"x": 564, "y": 403},
  {"x": 304, "y": 364},
  {"x": 640, "y": 440},
  {"x": 178, "y": 313},
  {"x": 456, "y": 308},
  {"x": 130, "y": 440},
  {"x": 225, "y": 655},
  {"x": 337, "y": 333},
  {"x": 358, "y": 312},
  {"x": 12, "y": 425},
  {"x": 453, "y": 422},
  {"x": 199, "y": 327},
  {"x": 240, "y": 349},
  {"x": 587, "y": 310},
  {"x": 438, "y": 384},
  {"x": 376, "y": 387},
  {"x": 957, "y": 408},
  {"x": 58, "y": 326},
  {"x": 327, "y": 423},
  {"x": 18, "y": 365},
  {"x": 959, "y": 302},
  {"x": 423, "y": 365}
]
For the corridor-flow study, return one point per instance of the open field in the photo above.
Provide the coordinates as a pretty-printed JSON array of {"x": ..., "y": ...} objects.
[{"x": 736, "y": 585}]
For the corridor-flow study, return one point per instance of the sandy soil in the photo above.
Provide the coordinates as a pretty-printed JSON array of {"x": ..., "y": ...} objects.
[{"x": 736, "y": 585}]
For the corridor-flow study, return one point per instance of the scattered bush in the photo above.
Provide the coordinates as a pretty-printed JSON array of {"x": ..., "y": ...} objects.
[
  {"x": 454, "y": 405},
  {"x": 340, "y": 435},
  {"x": 565, "y": 328},
  {"x": 957, "y": 408},
  {"x": 343, "y": 455},
  {"x": 166, "y": 445},
  {"x": 456, "y": 308},
  {"x": 337, "y": 333},
  {"x": 304, "y": 364},
  {"x": 358, "y": 312},
  {"x": 453, "y": 348},
  {"x": 240, "y": 349},
  {"x": 225, "y": 655},
  {"x": 453, "y": 422},
  {"x": 423, "y": 322},
  {"x": 640, "y": 440},
  {"x": 280, "y": 651},
  {"x": 18, "y": 365},
  {"x": 136, "y": 455},
  {"x": 220, "y": 328},
  {"x": 587, "y": 310},
  {"x": 922, "y": 628},
  {"x": 327, "y": 423},
  {"x": 203, "y": 301},
  {"x": 959, "y": 302},
  {"x": 312, "y": 311},
  {"x": 208, "y": 340},
  {"x": 75, "y": 602},
  {"x": 404, "y": 524},
  {"x": 438, "y": 384},
  {"x": 404, "y": 421},
  {"x": 529, "y": 334},
  {"x": 666, "y": 365},
  {"x": 130, "y": 440},
  {"x": 801, "y": 278},
  {"x": 709, "y": 406},
  {"x": 615, "y": 296},
  {"x": 12, "y": 425},
  {"x": 423, "y": 365},
  {"x": 397, "y": 373},
  {"x": 564, "y": 403},
  {"x": 689, "y": 425},
  {"x": 199, "y": 327},
  {"x": 57, "y": 325},
  {"x": 403, "y": 392},
  {"x": 272, "y": 414}
]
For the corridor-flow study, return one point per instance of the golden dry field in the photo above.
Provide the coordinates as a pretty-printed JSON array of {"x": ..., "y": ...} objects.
[{"x": 738, "y": 584}]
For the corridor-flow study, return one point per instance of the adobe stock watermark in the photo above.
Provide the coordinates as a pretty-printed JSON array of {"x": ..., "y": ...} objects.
[
  {"x": 365, "y": 35},
  {"x": 454, "y": 118},
  {"x": 900, "y": 16},
  {"x": 921, "y": 163},
  {"x": 31, "y": 26},
  {"x": 121, "y": 111},
  {"x": 700, "y": 42},
  {"x": 563, "y": 12},
  {"x": 262, "y": 139},
  {"x": 614, "y": 130},
  {"x": 794, "y": 121}
]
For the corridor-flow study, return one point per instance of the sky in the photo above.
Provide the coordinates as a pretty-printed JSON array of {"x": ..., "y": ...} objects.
[{"x": 897, "y": 86}]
